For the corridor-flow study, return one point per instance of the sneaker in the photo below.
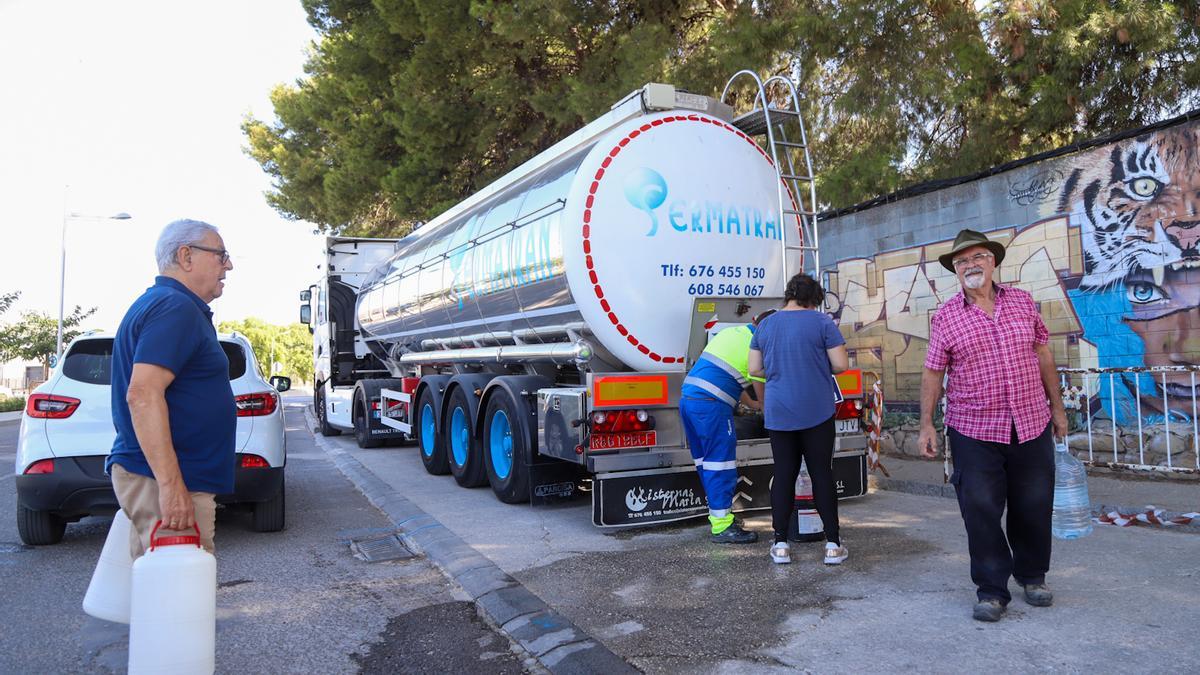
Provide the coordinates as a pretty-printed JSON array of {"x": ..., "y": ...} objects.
[
  {"x": 1038, "y": 595},
  {"x": 834, "y": 554},
  {"x": 734, "y": 534},
  {"x": 781, "y": 553},
  {"x": 988, "y": 610}
]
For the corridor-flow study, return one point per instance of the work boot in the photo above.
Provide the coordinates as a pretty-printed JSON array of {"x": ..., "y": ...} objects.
[
  {"x": 1038, "y": 595},
  {"x": 734, "y": 534},
  {"x": 988, "y": 610}
]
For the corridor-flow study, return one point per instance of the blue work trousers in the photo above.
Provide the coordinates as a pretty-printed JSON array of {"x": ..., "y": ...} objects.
[{"x": 708, "y": 425}]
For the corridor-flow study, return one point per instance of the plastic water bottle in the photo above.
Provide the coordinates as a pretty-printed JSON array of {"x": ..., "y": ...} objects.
[
  {"x": 808, "y": 526},
  {"x": 108, "y": 595},
  {"x": 172, "y": 626},
  {"x": 1072, "y": 517}
]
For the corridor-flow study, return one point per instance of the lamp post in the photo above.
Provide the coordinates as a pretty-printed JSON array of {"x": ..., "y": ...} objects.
[{"x": 62, "y": 269}]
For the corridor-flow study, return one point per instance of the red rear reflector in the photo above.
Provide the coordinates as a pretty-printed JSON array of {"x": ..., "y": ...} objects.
[
  {"x": 850, "y": 382},
  {"x": 253, "y": 462},
  {"x": 40, "y": 466},
  {"x": 49, "y": 406},
  {"x": 619, "y": 421},
  {"x": 849, "y": 409},
  {"x": 256, "y": 405}
]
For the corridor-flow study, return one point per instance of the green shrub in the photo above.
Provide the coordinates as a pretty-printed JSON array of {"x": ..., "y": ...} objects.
[{"x": 11, "y": 403}]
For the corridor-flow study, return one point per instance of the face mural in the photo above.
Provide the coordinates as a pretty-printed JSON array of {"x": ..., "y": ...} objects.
[{"x": 1106, "y": 240}]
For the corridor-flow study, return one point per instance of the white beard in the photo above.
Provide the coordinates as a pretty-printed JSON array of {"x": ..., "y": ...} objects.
[{"x": 973, "y": 281}]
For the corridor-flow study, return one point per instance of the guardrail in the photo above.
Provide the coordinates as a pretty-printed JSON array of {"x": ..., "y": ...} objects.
[{"x": 1105, "y": 406}]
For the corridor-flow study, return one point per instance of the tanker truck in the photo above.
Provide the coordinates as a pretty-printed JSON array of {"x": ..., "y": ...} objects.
[{"x": 535, "y": 337}]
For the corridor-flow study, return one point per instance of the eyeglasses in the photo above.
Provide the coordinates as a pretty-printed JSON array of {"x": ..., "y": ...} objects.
[
  {"x": 974, "y": 260},
  {"x": 219, "y": 252}
]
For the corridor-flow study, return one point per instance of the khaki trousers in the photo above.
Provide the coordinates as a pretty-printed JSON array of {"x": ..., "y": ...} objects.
[{"x": 138, "y": 496}]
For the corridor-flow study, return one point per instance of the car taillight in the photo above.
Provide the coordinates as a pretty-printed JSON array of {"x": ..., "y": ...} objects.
[
  {"x": 849, "y": 409},
  {"x": 256, "y": 405},
  {"x": 49, "y": 406},
  {"x": 250, "y": 461},
  {"x": 40, "y": 466},
  {"x": 617, "y": 421}
]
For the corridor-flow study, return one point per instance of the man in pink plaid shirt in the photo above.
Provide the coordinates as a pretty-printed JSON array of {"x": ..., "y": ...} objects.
[{"x": 1002, "y": 403}]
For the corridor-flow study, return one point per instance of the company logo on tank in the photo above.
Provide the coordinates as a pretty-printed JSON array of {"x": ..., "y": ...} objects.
[
  {"x": 519, "y": 257},
  {"x": 647, "y": 191}
]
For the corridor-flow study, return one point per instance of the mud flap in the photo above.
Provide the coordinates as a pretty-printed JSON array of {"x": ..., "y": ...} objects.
[
  {"x": 850, "y": 475},
  {"x": 553, "y": 481},
  {"x": 663, "y": 495}
]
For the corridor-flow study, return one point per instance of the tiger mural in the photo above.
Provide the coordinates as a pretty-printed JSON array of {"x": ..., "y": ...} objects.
[{"x": 1137, "y": 206}]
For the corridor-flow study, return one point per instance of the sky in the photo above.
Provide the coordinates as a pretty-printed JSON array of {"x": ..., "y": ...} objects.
[{"x": 136, "y": 107}]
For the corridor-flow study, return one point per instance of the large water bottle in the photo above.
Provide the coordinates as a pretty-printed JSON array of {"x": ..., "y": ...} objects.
[
  {"x": 1072, "y": 517},
  {"x": 805, "y": 521}
]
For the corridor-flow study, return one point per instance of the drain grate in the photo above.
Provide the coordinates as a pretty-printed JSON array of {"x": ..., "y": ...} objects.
[{"x": 378, "y": 549}]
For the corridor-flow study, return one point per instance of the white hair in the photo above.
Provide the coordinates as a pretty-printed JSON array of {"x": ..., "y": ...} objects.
[{"x": 182, "y": 232}]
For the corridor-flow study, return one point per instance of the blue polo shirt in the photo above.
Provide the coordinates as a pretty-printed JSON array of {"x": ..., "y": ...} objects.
[{"x": 170, "y": 326}]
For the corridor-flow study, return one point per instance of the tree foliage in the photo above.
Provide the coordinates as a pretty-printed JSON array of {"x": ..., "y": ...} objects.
[
  {"x": 34, "y": 336},
  {"x": 7, "y": 300},
  {"x": 409, "y": 106},
  {"x": 290, "y": 346}
]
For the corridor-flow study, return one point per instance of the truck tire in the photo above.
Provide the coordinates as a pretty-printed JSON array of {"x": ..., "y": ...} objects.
[
  {"x": 507, "y": 446},
  {"x": 268, "y": 516},
  {"x": 458, "y": 435},
  {"x": 39, "y": 528},
  {"x": 425, "y": 427},
  {"x": 362, "y": 424},
  {"x": 322, "y": 415}
]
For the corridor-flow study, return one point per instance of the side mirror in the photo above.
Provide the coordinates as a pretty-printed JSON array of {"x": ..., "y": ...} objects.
[
  {"x": 305, "y": 296},
  {"x": 281, "y": 383},
  {"x": 305, "y": 314}
]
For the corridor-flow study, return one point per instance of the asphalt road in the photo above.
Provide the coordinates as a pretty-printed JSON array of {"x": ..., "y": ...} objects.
[{"x": 295, "y": 601}]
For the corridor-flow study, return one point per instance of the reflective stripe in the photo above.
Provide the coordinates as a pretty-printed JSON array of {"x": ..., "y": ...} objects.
[
  {"x": 718, "y": 362},
  {"x": 718, "y": 513},
  {"x": 712, "y": 389},
  {"x": 699, "y": 462},
  {"x": 720, "y": 466}
]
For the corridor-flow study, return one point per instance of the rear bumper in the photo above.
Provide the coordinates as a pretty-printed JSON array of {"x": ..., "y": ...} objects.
[
  {"x": 254, "y": 485},
  {"x": 76, "y": 488}
]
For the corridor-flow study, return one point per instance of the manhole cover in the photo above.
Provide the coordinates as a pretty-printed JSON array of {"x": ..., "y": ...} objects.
[{"x": 378, "y": 549}]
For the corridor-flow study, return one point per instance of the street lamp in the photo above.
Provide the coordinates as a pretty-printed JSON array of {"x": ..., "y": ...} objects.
[{"x": 62, "y": 276}]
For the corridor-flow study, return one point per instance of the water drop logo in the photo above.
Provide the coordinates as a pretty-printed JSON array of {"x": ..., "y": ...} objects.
[{"x": 646, "y": 190}]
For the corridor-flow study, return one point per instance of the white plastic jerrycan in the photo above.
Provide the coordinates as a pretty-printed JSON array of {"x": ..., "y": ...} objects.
[
  {"x": 108, "y": 594},
  {"x": 173, "y": 618}
]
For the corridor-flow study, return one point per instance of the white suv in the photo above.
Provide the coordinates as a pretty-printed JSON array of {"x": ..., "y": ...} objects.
[{"x": 67, "y": 433}]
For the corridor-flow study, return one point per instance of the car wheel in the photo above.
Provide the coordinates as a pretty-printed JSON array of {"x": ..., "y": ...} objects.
[
  {"x": 322, "y": 416},
  {"x": 431, "y": 445},
  {"x": 506, "y": 448},
  {"x": 39, "y": 528},
  {"x": 458, "y": 435},
  {"x": 268, "y": 516},
  {"x": 362, "y": 425}
]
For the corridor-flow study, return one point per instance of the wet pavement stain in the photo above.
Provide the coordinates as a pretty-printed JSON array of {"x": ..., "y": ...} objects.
[{"x": 443, "y": 638}]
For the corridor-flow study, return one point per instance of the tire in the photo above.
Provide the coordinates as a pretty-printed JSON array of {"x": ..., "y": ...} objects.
[
  {"x": 458, "y": 435},
  {"x": 429, "y": 442},
  {"x": 362, "y": 426},
  {"x": 39, "y": 528},
  {"x": 506, "y": 445},
  {"x": 322, "y": 416},
  {"x": 268, "y": 516}
]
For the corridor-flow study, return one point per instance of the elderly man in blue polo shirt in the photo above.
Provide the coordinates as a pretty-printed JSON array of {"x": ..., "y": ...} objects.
[{"x": 172, "y": 405}]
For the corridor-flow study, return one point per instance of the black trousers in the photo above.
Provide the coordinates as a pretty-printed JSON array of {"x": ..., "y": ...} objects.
[
  {"x": 989, "y": 476},
  {"x": 815, "y": 446}
]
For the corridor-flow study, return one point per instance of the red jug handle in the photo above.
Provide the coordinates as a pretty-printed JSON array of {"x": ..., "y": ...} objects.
[{"x": 173, "y": 541}]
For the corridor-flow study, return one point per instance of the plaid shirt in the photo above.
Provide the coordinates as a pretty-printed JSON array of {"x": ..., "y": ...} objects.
[{"x": 994, "y": 379}]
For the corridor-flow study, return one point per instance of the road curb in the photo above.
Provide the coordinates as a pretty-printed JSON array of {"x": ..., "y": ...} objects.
[{"x": 553, "y": 640}]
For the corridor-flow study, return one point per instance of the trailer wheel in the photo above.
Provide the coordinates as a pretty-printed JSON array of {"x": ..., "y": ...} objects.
[
  {"x": 506, "y": 447},
  {"x": 322, "y": 415},
  {"x": 462, "y": 453},
  {"x": 362, "y": 425},
  {"x": 425, "y": 426}
]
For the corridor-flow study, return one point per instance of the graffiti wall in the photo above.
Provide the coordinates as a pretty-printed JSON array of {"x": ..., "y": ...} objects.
[{"x": 1107, "y": 240}]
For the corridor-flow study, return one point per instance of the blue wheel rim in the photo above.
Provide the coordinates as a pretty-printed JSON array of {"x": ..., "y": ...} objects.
[
  {"x": 460, "y": 435},
  {"x": 427, "y": 431},
  {"x": 500, "y": 444}
]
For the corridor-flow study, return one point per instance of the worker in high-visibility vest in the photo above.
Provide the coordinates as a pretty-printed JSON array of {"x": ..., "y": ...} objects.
[{"x": 711, "y": 392}]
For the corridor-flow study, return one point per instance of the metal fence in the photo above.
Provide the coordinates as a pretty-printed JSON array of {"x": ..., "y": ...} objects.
[{"x": 1139, "y": 418}]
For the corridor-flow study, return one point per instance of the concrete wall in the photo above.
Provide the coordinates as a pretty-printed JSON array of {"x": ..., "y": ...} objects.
[{"x": 1105, "y": 240}]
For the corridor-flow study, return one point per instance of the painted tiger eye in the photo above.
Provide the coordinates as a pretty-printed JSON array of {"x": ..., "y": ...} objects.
[{"x": 1144, "y": 187}]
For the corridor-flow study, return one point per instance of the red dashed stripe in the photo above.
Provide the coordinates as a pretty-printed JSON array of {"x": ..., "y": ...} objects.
[{"x": 587, "y": 219}]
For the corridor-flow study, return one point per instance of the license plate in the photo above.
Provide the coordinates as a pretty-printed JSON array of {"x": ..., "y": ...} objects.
[
  {"x": 631, "y": 439},
  {"x": 849, "y": 426}
]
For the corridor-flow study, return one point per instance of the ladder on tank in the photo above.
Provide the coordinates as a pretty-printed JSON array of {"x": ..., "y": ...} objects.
[{"x": 787, "y": 141}]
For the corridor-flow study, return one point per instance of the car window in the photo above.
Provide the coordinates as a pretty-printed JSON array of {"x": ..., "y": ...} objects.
[
  {"x": 237, "y": 359},
  {"x": 89, "y": 361}
]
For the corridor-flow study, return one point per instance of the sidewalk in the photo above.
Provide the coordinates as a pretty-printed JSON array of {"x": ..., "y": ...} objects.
[
  {"x": 13, "y": 417},
  {"x": 1127, "y": 494}
]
